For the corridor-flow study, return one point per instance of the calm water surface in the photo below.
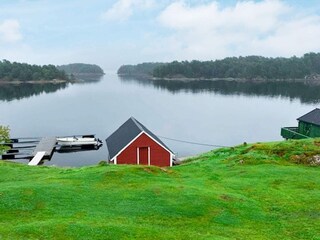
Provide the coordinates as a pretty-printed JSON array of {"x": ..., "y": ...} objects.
[{"x": 219, "y": 113}]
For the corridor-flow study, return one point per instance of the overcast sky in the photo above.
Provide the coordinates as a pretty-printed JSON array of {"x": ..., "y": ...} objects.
[{"x": 115, "y": 32}]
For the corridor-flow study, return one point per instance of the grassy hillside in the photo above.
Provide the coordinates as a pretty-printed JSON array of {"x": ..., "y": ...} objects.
[{"x": 260, "y": 191}]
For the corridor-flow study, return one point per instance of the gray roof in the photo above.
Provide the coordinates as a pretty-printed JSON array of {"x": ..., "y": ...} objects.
[
  {"x": 311, "y": 117},
  {"x": 125, "y": 134}
]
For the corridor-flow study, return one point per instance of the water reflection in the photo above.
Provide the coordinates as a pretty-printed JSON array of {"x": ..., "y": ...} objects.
[
  {"x": 217, "y": 113},
  {"x": 88, "y": 78},
  {"x": 292, "y": 90},
  {"x": 9, "y": 92}
]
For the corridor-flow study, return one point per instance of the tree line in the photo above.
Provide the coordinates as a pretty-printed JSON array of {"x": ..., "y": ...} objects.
[
  {"x": 26, "y": 72},
  {"x": 141, "y": 69},
  {"x": 250, "y": 67}
]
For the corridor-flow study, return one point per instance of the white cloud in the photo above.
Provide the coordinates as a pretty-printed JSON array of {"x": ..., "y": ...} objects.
[
  {"x": 209, "y": 31},
  {"x": 123, "y": 9},
  {"x": 10, "y": 31}
]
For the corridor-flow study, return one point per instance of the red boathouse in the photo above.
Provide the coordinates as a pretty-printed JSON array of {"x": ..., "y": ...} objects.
[{"x": 133, "y": 143}]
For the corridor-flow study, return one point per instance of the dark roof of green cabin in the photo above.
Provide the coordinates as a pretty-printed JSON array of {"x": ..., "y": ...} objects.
[{"x": 311, "y": 117}]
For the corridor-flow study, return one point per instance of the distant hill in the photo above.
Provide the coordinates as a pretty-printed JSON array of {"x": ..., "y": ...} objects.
[
  {"x": 13, "y": 71},
  {"x": 250, "y": 67},
  {"x": 81, "y": 69}
]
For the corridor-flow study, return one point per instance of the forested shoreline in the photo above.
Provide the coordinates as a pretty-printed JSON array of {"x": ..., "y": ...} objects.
[
  {"x": 250, "y": 67},
  {"x": 141, "y": 69},
  {"x": 14, "y": 72},
  {"x": 23, "y": 72}
]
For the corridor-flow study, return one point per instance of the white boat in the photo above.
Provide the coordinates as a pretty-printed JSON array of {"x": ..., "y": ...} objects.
[{"x": 78, "y": 141}]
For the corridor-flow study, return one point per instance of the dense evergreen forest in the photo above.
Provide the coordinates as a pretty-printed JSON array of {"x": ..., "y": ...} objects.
[
  {"x": 81, "y": 68},
  {"x": 251, "y": 67},
  {"x": 142, "y": 69},
  {"x": 26, "y": 72}
]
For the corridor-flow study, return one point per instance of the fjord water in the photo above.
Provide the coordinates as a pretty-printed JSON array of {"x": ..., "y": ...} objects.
[{"x": 218, "y": 113}]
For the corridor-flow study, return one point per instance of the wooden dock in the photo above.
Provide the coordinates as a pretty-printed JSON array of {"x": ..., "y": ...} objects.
[
  {"x": 43, "y": 150},
  {"x": 37, "y": 149}
]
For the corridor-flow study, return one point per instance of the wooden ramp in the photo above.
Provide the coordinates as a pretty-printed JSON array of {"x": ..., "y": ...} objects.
[
  {"x": 36, "y": 159},
  {"x": 43, "y": 150}
]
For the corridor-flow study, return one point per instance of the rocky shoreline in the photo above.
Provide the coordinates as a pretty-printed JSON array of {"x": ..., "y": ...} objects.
[
  {"x": 308, "y": 80},
  {"x": 17, "y": 82}
]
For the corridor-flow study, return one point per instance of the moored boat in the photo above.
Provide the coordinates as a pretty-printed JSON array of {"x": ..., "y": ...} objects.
[{"x": 78, "y": 141}]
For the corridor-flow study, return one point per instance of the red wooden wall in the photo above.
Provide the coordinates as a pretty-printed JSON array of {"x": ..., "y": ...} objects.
[{"x": 159, "y": 156}]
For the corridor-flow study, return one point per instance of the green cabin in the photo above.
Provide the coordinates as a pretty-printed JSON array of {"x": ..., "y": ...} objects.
[{"x": 308, "y": 127}]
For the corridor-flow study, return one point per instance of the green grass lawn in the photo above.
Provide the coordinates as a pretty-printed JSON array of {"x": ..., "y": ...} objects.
[{"x": 259, "y": 191}]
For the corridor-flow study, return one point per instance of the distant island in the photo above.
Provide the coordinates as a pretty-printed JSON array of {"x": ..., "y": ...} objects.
[
  {"x": 256, "y": 68},
  {"x": 13, "y": 72},
  {"x": 81, "y": 69}
]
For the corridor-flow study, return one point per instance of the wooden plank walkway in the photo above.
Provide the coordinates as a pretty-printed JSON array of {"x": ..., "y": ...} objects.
[
  {"x": 36, "y": 159},
  {"x": 47, "y": 145}
]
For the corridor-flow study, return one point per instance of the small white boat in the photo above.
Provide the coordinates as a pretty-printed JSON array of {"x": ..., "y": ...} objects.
[{"x": 78, "y": 141}]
